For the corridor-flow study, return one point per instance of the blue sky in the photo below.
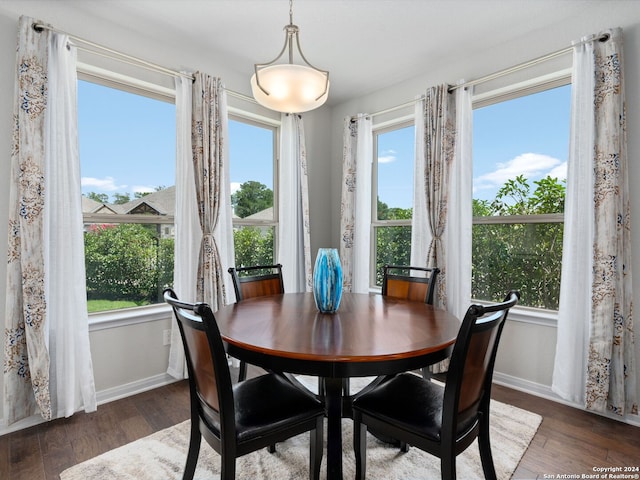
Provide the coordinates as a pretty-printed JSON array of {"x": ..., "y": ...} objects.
[
  {"x": 127, "y": 144},
  {"x": 127, "y": 141},
  {"x": 527, "y": 135},
  {"x": 507, "y": 142},
  {"x": 255, "y": 146}
]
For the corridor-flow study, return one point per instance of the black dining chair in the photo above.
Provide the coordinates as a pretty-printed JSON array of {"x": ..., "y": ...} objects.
[
  {"x": 241, "y": 418},
  {"x": 409, "y": 283},
  {"x": 255, "y": 281},
  {"x": 441, "y": 420}
]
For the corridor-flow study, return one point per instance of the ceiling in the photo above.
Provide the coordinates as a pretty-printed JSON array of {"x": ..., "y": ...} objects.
[{"x": 365, "y": 44}]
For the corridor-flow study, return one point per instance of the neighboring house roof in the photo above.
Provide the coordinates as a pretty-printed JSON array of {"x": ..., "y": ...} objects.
[
  {"x": 161, "y": 202},
  {"x": 266, "y": 214},
  {"x": 90, "y": 206}
]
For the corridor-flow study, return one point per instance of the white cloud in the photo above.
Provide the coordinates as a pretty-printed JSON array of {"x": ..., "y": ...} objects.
[
  {"x": 142, "y": 189},
  {"x": 106, "y": 184},
  {"x": 530, "y": 165},
  {"x": 235, "y": 186},
  {"x": 387, "y": 156},
  {"x": 560, "y": 172}
]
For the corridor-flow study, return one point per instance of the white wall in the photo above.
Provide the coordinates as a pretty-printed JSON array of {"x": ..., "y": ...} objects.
[
  {"x": 124, "y": 358},
  {"x": 527, "y": 351},
  {"x": 131, "y": 357}
]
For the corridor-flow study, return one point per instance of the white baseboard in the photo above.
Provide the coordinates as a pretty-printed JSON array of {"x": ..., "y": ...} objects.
[
  {"x": 133, "y": 388},
  {"x": 145, "y": 384},
  {"x": 102, "y": 397},
  {"x": 544, "y": 391}
]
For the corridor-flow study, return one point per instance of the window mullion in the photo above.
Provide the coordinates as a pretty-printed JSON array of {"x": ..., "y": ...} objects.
[{"x": 512, "y": 219}]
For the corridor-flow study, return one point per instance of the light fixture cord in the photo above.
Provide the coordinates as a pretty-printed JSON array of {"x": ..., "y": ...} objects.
[{"x": 290, "y": 31}]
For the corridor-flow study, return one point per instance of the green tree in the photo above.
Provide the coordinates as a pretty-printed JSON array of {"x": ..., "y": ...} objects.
[
  {"x": 98, "y": 197},
  {"x": 120, "y": 198},
  {"x": 252, "y": 197},
  {"x": 253, "y": 246},
  {"x": 393, "y": 243},
  {"x": 481, "y": 208},
  {"x": 515, "y": 197},
  {"x": 525, "y": 256},
  {"x": 127, "y": 261}
]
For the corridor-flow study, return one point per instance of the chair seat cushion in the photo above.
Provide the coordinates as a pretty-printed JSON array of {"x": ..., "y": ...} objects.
[
  {"x": 269, "y": 401},
  {"x": 406, "y": 401}
]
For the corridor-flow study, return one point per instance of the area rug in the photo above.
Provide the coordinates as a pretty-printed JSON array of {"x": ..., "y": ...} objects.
[{"x": 162, "y": 455}]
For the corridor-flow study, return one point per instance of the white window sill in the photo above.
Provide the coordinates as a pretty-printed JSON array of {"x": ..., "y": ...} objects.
[
  {"x": 128, "y": 316},
  {"x": 536, "y": 316},
  {"x": 160, "y": 311}
]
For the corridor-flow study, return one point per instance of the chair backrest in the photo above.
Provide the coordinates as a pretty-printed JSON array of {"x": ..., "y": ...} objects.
[
  {"x": 257, "y": 281},
  {"x": 468, "y": 387},
  {"x": 209, "y": 377},
  {"x": 410, "y": 283}
]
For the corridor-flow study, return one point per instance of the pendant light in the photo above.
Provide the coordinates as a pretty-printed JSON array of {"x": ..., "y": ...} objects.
[{"x": 289, "y": 87}]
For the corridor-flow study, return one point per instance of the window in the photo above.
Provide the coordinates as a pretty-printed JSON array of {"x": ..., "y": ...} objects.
[
  {"x": 252, "y": 159},
  {"x": 393, "y": 159},
  {"x": 520, "y": 150},
  {"x": 127, "y": 159}
]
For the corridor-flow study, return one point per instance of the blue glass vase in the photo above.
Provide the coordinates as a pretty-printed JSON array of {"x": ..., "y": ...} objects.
[{"x": 327, "y": 280}]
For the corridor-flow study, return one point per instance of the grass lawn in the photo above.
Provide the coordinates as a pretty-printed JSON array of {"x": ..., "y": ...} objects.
[{"x": 104, "y": 305}]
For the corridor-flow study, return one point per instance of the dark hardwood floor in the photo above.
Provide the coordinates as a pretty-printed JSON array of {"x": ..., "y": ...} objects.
[{"x": 569, "y": 441}]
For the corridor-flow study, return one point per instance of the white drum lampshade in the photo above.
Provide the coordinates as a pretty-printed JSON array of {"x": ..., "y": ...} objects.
[{"x": 291, "y": 88}]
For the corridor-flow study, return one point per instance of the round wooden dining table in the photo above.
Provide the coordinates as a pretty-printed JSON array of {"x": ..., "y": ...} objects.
[{"x": 369, "y": 335}]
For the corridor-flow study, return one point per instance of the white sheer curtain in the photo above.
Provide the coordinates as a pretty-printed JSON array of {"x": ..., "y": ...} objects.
[
  {"x": 47, "y": 354},
  {"x": 355, "y": 210},
  {"x": 457, "y": 235},
  {"x": 294, "y": 248},
  {"x": 71, "y": 380},
  {"x": 420, "y": 232},
  {"x": 188, "y": 233},
  {"x": 595, "y": 352},
  {"x": 570, "y": 369}
]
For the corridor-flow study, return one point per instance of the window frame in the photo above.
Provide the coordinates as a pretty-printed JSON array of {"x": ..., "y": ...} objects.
[
  {"x": 377, "y": 130},
  {"x": 559, "y": 78},
  {"x": 275, "y": 126},
  {"x": 147, "y": 313},
  {"x": 150, "y": 313}
]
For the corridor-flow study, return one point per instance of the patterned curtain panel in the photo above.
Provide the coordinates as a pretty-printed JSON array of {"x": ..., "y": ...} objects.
[
  {"x": 210, "y": 164},
  {"x": 294, "y": 244},
  {"x": 611, "y": 373},
  {"x": 47, "y": 356},
  {"x": 26, "y": 370},
  {"x": 355, "y": 208},
  {"x": 595, "y": 363},
  {"x": 436, "y": 114}
]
